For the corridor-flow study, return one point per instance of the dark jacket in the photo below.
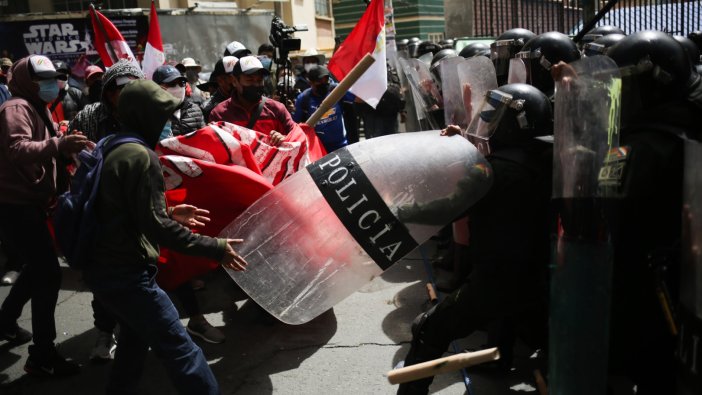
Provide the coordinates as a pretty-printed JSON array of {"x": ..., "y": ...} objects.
[
  {"x": 191, "y": 118},
  {"x": 131, "y": 205}
]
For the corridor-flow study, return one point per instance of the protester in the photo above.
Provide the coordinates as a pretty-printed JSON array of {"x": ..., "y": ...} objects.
[
  {"x": 310, "y": 58},
  {"x": 99, "y": 119},
  {"x": 93, "y": 83},
  {"x": 266, "y": 53},
  {"x": 5, "y": 65},
  {"x": 70, "y": 99},
  {"x": 248, "y": 107},
  {"x": 135, "y": 224},
  {"x": 188, "y": 117},
  {"x": 191, "y": 68},
  {"x": 383, "y": 119},
  {"x": 223, "y": 79},
  {"x": 30, "y": 158},
  {"x": 330, "y": 128}
]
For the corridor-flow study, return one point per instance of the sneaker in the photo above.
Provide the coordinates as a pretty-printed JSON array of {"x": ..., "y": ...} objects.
[
  {"x": 205, "y": 331},
  {"x": 54, "y": 366},
  {"x": 105, "y": 346},
  {"x": 15, "y": 334},
  {"x": 10, "y": 277}
]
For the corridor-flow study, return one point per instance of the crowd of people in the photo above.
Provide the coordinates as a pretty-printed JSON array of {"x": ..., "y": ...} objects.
[{"x": 501, "y": 269}]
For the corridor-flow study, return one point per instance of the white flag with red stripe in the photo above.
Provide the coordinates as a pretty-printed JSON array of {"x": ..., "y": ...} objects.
[{"x": 153, "y": 53}]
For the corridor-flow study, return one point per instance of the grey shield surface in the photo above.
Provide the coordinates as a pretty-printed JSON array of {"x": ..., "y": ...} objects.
[
  {"x": 309, "y": 241},
  {"x": 425, "y": 93},
  {"x": 479, "y": 73},
  {"x": 452, "y": 92}
]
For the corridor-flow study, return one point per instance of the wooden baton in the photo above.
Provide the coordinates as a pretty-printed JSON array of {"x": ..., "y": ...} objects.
[
  {"x": 340, "y": 90},
  {"x": 442, "y": 365}
]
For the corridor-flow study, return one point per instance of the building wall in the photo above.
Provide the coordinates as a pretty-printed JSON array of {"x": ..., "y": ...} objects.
[{"x": 413, "y": 18}]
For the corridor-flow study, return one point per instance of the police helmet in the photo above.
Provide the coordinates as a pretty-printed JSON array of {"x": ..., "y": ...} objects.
[
  {"x": 402, "y": 44},
  {"x": 475, "y": 49},
  {"x": 528, "y": 116},
  {"x": 690, "y": 48},
  {"x": 696, "y": 38},
  {"x": 436, "y": 61},
  {"x": 600, "y": 31},
  {"x": 426, "y": 47},
  {"x": 505, "y": 47},
  {"x": 542, "y": 52},
  {"x": 601, "y": 45},
  {"x": 654, "y": 63},
  {"x": 447, "y": 43}
]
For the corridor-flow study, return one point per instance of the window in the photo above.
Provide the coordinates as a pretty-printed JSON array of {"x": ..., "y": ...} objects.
[
  {"x": 322, "y": 8},
  {"x": 435, "y": 37}
]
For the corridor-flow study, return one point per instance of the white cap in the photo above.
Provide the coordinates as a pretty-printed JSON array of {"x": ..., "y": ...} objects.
[
  {"x": 249, "y": 65},
  {"x": 229, "y": 62},
  {"x": 190, "y": 62},
  {"x": 234, "y": 47},
  {"x": 43, "y": 68}
]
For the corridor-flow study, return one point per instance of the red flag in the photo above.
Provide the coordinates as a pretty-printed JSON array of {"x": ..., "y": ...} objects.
[
  {"x": 153, "y": 54},
  {"x": 108, "y": 41},
  {"x": 367, "y": 37}
]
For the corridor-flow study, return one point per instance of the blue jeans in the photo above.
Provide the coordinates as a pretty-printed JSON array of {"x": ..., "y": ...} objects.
[
  {"x": 148, "y": 318},
  {"x": 23, "y": 229}
]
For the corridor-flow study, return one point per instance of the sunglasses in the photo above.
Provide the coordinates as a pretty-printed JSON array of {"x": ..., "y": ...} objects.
[{"x": 175, "y": 83}]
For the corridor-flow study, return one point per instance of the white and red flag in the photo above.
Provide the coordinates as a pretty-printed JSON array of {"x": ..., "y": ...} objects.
[
  {"x": 367, "y": 37},
  {"x": 108, "y": 41},
  {"x": 153, "y": 54}
]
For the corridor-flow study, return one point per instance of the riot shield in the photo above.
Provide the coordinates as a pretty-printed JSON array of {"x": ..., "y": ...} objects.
[
  {"x": 488, "y": 116},
  {"x": 329, "y": 229},
  {"x": 426, "y": 96},
  {"x": 464, "y": 83},
  {"x": 689, "y": 352},
  {"x": 586, "y": 131},
  {"x": 517, "y": 71}
]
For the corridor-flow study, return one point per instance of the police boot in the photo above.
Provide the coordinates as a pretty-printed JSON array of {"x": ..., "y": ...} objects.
[{"x": 421, "y": 350}]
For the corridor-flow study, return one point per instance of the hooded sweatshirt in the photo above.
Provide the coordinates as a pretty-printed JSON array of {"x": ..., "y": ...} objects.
[
  {"x": 28, "y": 151},
  {"x": 131, "y": 205}
]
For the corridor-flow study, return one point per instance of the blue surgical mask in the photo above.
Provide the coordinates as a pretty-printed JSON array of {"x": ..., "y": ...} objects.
[
  {"x": 48, "y": 90},
  {"x": 167, "y": 132},
  {"x": 266, "y": 62}
]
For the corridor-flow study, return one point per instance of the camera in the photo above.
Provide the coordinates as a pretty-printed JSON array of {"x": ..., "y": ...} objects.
[{"x": 281, "y": 35}]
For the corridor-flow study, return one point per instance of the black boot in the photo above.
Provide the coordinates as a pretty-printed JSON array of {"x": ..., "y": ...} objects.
[{"x": 420, "y": 351}]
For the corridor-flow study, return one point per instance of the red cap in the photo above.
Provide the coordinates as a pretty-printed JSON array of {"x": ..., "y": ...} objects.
[{"x": 91, "y": 71}]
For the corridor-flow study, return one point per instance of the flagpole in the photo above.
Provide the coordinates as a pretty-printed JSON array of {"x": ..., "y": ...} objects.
[
  {"x": 340, "y": 90},
  {"x": 110, "y": 48}
]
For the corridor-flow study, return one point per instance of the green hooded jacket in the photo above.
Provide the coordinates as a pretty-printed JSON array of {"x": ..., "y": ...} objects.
[{"x": 131, "y": 205}]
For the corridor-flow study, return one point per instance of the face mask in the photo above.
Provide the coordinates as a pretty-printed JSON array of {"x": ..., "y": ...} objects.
[
  {"x": 48, "y": 90},
  {"x": 322, "y": 89},
  {"x": 266, "y": 62},
  {"x": 166, "y": 132},
  {"x": 177, "y": 91},
  {"x": 191, "y": 75},
  {"x": 252, "y": 93},
  {"x": 308, "y": 66}
]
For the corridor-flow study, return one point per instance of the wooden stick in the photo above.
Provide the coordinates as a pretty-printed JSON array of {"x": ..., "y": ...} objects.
[
  {"x": 540, "y": 382},
  {"x": 341, "y": 89},
  {"x": 431, "y": 292},
  {"x": 442, "y": 365}
]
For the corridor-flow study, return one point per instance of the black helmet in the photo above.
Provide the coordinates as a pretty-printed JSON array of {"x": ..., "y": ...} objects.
[
  {"x": 696, "y": 38},
  {"x": 426, "y": 47},
  {"x": 505, "y": 47},
  {"x": 413, "y": 47},
  {"x": 447, "y": 43},
  {"x": 436, "y": 61},
  {"x": 475, "y": 49},
  {"x": 690, "y": 48},
  {"x": 402, "y": 44},
  {"x": 542, "y": 52},
  {"x": 530, "y": 116},
  {"x": 600, "y": 31},
  {"x": 655, "y": 64},
  {"x": 601, "y": 45}
]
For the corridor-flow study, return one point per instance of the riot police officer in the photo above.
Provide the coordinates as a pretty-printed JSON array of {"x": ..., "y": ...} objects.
[{"x": 505, "y": 283}]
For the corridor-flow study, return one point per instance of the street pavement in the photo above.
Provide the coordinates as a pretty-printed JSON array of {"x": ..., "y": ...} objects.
[{"x": 347, "y": 350}]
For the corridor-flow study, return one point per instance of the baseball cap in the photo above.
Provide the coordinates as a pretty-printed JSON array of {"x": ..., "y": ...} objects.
[
  {"x": 166, "y": 74},
  {"x": 237, "y": 49},
  {"x": 249, "y": 65},
  {"x": 44, "y": 69},
  {"x": 317, "y": 73},
  {"x": 93, "y": 71},
  {"x": 225, "y": 66},
  {"x": 61, "y": 67},
  {"x": 5, "y": 62}
]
